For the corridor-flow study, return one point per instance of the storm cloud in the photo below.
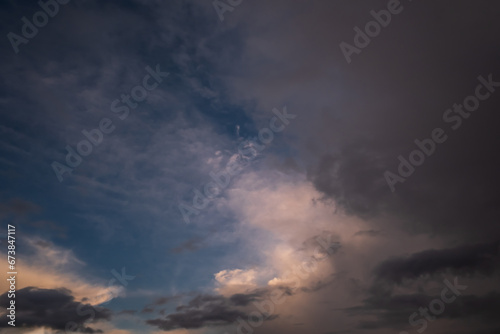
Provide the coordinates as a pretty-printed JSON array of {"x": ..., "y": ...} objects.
[{"x": 54, "y": 308}]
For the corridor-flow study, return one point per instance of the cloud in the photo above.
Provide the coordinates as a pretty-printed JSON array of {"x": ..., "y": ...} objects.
[
  {"x": 147, "y": 310},
  {"x": 203, "y": 310},
  {"x": 19, "y": 206},
  {"x": 241, "y": 299},
  {"x": 354, "y": 122},
  {"x": 352, "y": 178},
  {"x": 190, "y": 245},
  {"x": 394, "y": 311},
  {"x": 48, "y": 266},
  {"x": 236, "y": 277},
  {"x": 370, "y": 233},
  {"x": 164, "y": 300},
  {"x": 391, "y": 299},
  {"x": 53, "y": 308},
  {"x": 467, "y": 259},
  {"x": 362, "y": 116},
  {"x": 275, "y": 212}
]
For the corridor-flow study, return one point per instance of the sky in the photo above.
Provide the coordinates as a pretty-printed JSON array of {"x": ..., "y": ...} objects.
[{"x": 235, "y": 166}]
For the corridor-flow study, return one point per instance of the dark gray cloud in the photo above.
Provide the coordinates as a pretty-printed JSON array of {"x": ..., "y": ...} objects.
[
  {"x": 208, "y": 311},
  {"x": 203, "y": 310},
  {"x": 388, "y": 309},
  {"x": 319, "y": 285},
  {"x": 190, "y": 245},
  {"x": 327, "y": 241},
  {"x": 370, "y": 233},
  {"x": 468, "y": 259},
  {"x": 164, "y": 300},
  {"x": 395, "y": 91},
  {"x": 351, "y": 177},
  {"x": 486, "y": 331},
  {"x": 403, "y": 82},
  {"x": 241, "y": 299},
  {"x": 394, "y": 311},
  {"x": 53, "y": 308}
]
